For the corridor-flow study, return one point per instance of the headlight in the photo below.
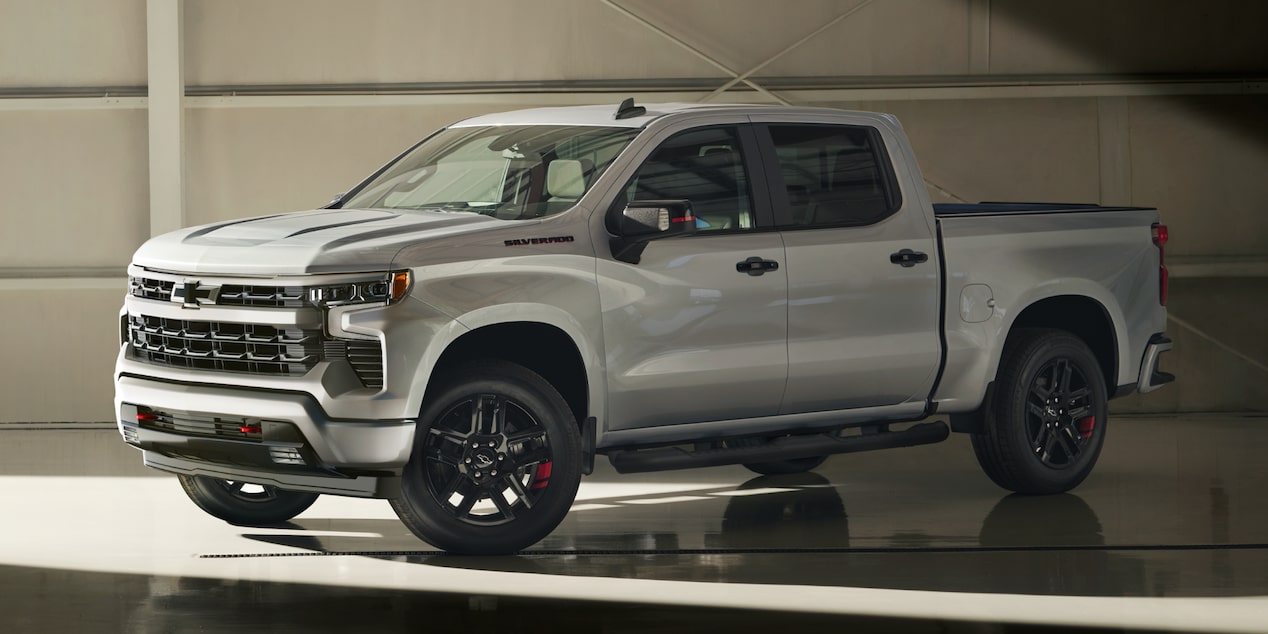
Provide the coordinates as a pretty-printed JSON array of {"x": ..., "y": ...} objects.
[{"x": 390, "y": 288}]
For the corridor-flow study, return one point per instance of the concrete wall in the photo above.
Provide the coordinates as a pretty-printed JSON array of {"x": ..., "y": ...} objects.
[{"x": 75, "y": 173}]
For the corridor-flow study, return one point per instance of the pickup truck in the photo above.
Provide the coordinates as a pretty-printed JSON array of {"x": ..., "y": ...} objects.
[{"x": 669, "y": 286}]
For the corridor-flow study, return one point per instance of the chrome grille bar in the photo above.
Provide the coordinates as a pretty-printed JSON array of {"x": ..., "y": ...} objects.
[
  {"x": 254, "y": 348},
  {"x": 249, "y": 348},
  {"x": 229, "y": 295}
]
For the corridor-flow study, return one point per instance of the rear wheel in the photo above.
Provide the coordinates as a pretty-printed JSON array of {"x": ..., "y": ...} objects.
[
  {"x": 244, "y": 503},
  {"x": 1044, "y": 427},
  {"x": 496, "y": 462}
]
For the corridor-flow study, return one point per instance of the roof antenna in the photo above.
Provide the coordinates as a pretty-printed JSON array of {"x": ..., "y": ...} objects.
[{"x": 627, "y": 109}]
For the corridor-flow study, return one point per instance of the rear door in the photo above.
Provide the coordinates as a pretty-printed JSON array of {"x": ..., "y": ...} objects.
[
  {"x": 863, "y": 304},
  {"x": 688, "y": 337}
]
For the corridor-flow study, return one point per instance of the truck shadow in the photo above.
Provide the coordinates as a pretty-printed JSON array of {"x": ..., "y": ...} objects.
[
  {"x": 788, "y": 511},
  {"x": 793, "y": 530}
]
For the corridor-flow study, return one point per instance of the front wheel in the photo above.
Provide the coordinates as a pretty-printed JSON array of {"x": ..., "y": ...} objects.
[
  {"x": 496, "y": 462},
  {"x": 1045, "y": 425},
  {"x": 243, "y": 503}
]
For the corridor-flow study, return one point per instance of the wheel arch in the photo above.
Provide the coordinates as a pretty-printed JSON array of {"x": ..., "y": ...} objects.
[
  {"x": 1081, "y": 316},
  {"x": 544, "y": 348}
]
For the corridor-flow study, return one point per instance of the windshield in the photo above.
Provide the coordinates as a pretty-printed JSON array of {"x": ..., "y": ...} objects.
[{"x": 508, "y": 172}]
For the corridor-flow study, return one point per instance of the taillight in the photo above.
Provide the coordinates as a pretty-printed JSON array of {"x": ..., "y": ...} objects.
[{"x": 1160, "y": 241}]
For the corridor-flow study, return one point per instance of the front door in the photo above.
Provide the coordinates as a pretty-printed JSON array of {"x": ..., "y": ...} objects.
[{"x": 689, "y": 338}]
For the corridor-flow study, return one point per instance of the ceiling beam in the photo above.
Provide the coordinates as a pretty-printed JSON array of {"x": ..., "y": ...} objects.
[{"x": 517, "y": 94}]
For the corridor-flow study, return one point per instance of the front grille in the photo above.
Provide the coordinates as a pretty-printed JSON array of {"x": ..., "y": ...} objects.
[
  {"x": 267, "y": 296},
  {"x": 229, "y": 347},
  {"x": 249, "y": 348},
  {"x": 147, "y": 288},
  {"x": 229, "y": 295},
  {"x": 205, "y": 425}
]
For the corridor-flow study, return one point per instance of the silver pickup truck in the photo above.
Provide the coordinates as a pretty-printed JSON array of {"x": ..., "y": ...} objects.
[{"x": 670, "y": 286}]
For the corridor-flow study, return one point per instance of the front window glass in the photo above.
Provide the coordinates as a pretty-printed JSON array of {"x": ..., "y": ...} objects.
[
  {"x": 508, "y": 172},
  {"x": 705, "y": 167}
]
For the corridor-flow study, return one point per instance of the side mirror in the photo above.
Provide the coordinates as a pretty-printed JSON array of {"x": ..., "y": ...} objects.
[
  {"x": 336, "y": 201},
  {"x": 645, "y": 220}
]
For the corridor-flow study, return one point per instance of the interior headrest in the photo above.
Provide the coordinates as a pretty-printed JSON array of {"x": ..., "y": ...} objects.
[{"x": 565, "y": 179}]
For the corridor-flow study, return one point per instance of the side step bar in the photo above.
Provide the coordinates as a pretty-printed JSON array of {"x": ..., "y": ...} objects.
[{"x": 786, "y": 448}]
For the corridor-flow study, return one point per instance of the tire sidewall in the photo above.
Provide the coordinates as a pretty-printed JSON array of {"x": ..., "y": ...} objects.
[{"x": 433, "y": 522}]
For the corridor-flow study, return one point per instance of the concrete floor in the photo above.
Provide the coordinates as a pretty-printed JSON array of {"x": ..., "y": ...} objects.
[{"x": 1169, "y": 533}]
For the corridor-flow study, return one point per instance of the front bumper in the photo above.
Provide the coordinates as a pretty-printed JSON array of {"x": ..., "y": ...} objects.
[{"x": 194, "y": 429}]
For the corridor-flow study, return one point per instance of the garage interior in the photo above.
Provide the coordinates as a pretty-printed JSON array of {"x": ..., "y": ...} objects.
[{"x": 126, "y": 119}]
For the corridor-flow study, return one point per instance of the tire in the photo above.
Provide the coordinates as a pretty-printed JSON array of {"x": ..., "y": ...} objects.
[
  {"x": 496, "y": 462},
  {"x": 1045, "y": 425},
  {"x": 245, "y": 504},
  {"x": 776, "y": 467}
]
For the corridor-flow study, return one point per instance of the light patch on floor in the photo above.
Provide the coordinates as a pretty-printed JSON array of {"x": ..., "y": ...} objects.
[{"x": 668, "y": 500}]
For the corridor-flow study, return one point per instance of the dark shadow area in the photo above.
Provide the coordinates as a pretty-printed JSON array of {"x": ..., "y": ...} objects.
[
  {"x": 1155, "y": 39},
  {"x": 805, "y": 512},
  {"x": 1047, "y": 521},
  {"x": 52, "y": 601},
  {"x": 1146, "y": 37},
  {"x": 1043, "y": 545},
  {"x": 811, "y": 512}
]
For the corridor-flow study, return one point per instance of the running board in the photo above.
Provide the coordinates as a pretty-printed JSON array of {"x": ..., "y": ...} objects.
[{"x": 786, "y": 448}]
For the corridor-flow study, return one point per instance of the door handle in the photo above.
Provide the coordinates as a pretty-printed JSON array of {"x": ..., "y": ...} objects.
[
  {"x": 756, "y": 266},
  {"x": 908, "y": 258}
]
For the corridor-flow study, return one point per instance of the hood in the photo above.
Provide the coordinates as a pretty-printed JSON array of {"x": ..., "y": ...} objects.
[{"x": 302, "y": 243}]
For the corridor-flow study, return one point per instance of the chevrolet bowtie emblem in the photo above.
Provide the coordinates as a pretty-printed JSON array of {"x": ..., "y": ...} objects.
[{"x": 192, "y": 295}]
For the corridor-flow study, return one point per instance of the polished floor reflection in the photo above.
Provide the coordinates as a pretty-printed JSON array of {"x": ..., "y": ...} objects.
[{"x": 1170, "y": 531}]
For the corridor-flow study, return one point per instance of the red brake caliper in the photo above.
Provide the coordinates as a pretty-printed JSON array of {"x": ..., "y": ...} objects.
[
  {"x": 543, "y": 476},
  {"x": 1086, "y": 425}
]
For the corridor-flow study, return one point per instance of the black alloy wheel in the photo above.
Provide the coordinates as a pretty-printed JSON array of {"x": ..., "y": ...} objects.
[
  {"x": 1059, "y": 419},
  {"x": 496, "y": 462},
  {"x": 486, "y": 458}
]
